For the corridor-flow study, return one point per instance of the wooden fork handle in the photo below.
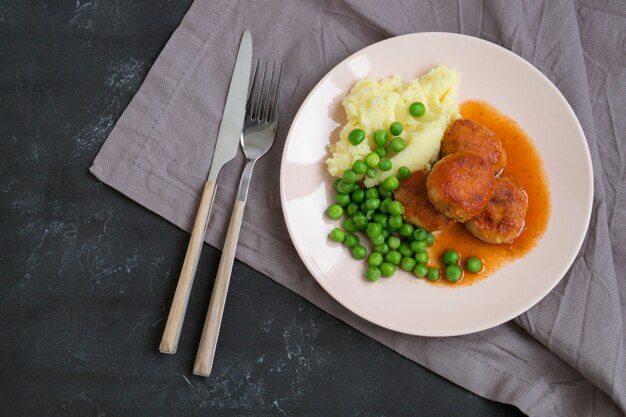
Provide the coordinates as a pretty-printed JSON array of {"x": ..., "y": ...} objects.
[
  {"x": 171, "y": 334},
  {"x": 211, "y": 329}
]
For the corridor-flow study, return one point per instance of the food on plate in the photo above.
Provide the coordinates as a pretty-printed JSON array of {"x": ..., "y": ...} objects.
[
  {"x": 406, "y": 165},
  {"x": 410, "y": 118},
  {"x": 460, "y": 185},
  {"x": 381, "y": 216},
  {"x": 454, "y": 273},
  {"x": 465, "y": 135},
  {"x": 450, "y": 257},
  {"x": 502, "y": 219},
  {"x": 525, "y": 168},
  {"x": 473, "y": 264},
  {"x": 418, "y": 209}
]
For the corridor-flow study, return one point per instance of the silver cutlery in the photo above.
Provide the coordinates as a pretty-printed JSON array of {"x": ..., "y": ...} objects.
[
  {"x": 256, "y": 139},
  {"x": 225, "y": 150}
]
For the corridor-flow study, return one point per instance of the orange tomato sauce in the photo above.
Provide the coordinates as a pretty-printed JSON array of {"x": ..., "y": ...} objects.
[{"x": 524, "y": 166}]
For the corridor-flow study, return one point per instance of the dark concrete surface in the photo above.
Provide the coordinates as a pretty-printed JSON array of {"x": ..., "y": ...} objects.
[{"x": 87, "y": 276}]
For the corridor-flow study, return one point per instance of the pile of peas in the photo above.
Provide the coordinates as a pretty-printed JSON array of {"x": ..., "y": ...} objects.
[{"x": 375, "y": 213}]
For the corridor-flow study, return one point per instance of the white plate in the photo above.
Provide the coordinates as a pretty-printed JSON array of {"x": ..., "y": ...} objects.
[{"x": 404, "y": 303}]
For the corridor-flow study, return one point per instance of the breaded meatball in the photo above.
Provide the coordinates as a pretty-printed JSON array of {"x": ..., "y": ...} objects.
[
  {"x": 465, "y": 135},
  {"x": 502, "y": 220},
  {"x": 460, "y": 185},
  {"x": 418, "y": 209}
]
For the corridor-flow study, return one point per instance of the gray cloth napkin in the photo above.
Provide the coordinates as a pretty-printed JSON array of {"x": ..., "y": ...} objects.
[{"x": 565, "y": 356}]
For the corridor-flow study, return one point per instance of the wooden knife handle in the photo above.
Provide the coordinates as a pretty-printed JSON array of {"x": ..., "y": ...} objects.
[{"x": 171, "y": 334}]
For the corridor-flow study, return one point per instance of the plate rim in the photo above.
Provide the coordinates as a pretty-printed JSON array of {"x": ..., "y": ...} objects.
[{"x": 505, "y": 317}]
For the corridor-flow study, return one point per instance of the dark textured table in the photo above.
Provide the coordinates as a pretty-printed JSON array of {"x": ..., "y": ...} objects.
[{"x": 87, "y": 275}]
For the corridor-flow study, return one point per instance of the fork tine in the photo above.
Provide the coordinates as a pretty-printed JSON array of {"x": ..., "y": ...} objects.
[
  {"x": 266, "y": 109},
  {"x": 276, "y": 98},
  {"x": 258, "y": 110}
]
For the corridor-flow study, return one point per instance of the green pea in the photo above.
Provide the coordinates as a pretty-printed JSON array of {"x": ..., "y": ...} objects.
[
  {"x": 433, "y": 274},
  {"x": 450, "y": 257},
  {"x": 360, "y": 220},
  {"x": 406, "y": 230},
  {"x": 403, "y": 173},
  {"x": 343, "y": 187},
  {"x": 370, "y": 214},
  {"x": 395, "y": 128},
  {"x": 382, "y": 248},
  {"x": 387, "y": 270},
  {"x": 381, "y": 219},
  {"x": 417, "y": 109},
  {"x": 371, "y": 173},
  {"x": 351, "y": 240},
  {"x": 375, "y": 259},
  {"x": 385, "y": 193},
  {"x": 473, "y": 264},
  {"x": 384, "y": 164},
  {"x": 374, "y": 230},
  {"x": 397, "y": 144},
  {"x": 430, "y": 239},
  {"x": 420, "y": 270},
  {"x": 384, "y": 206},
  {"x": 372, "y": 203},
  {"x": 358, "y": 196},
  {"x": 395, "y": 222},
  {"x": 405, "y": 249},
  {"x": 342, "y": 199},
  {"x": 356, "y": 136},
  {"x": 372, "y": 159},
  {"x": 418, "y": 234},
  {"x": 418, "y": 245},
  {"x": 386, "y": 233},
  {"x": 359, "y": 252},
  {"x": 393, "y": 257},
  {"x": 352, "y": 208},
  {"x": 454, "y": 273},
  {"x": 393, "y": 242},
  {"x": 381, "y": 151},
  {"x": 359, "y": 167},
  {"x": 391, "y": 183},
  {"x": 335, "y": 183},
  {"x": 396, "y": 208},
  {"x": 378, "y": 240},
  {"x": 407, "y": 263},
  {"x": 373, "y": 274},
  {"x": 421, "y": 256},
  {"x": 349, "y": 176},
  {"x": 380, "y": 137},
  {"x": 337, "y": 235},
  {"x": 334, "y": 211},
  {"x": 350, "y": 225},
  {"x": 371, "y": 193}
]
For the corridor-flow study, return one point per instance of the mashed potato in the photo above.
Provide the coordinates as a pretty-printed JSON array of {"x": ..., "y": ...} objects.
[{"x": 373, "y": 105}]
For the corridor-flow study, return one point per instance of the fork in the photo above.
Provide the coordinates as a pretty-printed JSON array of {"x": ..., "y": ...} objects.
[{"x": 256, "y": 139}]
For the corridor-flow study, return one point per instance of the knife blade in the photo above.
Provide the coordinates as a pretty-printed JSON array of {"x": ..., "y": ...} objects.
[
  {"x": 225, "y": 149},
  {"x": 234, "y": 111}
]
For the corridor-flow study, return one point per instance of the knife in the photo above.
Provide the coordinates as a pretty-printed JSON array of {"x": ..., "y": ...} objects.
[{"x": 226, "y": 148}]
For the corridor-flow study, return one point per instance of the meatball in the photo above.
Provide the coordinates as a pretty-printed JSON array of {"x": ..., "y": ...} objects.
[
  {"x": 465, "y": 135},
  {"x": 460, "y": 185},
  {"x": 502, "y": 220},
  {"x": 418, "y": 209}
]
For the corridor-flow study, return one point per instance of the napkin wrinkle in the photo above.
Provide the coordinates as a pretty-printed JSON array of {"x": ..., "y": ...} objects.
[{"x": 546, "y": 394}]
